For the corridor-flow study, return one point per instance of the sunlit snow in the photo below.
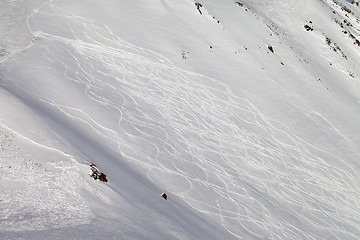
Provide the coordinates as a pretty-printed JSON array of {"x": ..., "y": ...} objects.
[{"x": 245, "y": 113}]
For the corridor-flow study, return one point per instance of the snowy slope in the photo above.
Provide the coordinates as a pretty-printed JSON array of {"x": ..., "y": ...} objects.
[{"x": 245, "y": 113}]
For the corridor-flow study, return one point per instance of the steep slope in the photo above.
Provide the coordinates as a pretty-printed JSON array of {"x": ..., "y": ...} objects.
[{"x": 245, "y": 113}]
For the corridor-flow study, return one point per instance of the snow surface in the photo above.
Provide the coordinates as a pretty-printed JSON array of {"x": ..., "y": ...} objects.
[{"x": 244, "y": 117}]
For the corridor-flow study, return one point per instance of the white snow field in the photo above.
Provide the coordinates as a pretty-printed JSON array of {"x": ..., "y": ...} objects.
[{"x": 245, "y": 113}]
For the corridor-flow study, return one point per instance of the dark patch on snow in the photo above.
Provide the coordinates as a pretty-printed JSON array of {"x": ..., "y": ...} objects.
[
  {"x": 96, "y": 174},
  {"x": 335, "y": 47},
  {"x": 271, "y": 48},
  {"x": 240, "y": 4},
  {"x": 198, "y": 6},
  {"x": 346, "y": 25},
  {"x": 308, "y": 28},
  {"x": 184, "y": 54},
  {"x": 243, "y": 6}
]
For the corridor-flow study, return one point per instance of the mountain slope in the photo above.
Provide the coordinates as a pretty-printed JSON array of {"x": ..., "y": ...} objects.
[{"x": 246, "y": 114}]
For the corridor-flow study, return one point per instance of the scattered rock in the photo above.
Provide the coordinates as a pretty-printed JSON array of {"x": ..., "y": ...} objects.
[
  {"x": 335, "y": 47},
  {"x": 308, "y": 28},
  {"x": 216, "y": 20},
  {"x": 344, "y": 8},
  {"x": 184, "y": 54},
  {"x": 328, "y": 41}
]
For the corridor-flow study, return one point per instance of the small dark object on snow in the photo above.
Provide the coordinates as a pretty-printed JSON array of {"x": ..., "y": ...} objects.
[
  {"x": 198, "y": 6},
  {"x": 240, "y": 4},
  {"x": 271, "y": 48},
  {"x": 96, "y": 174},
  {"x": 164, "y": 196},
  {"x": 308, "y": 28}
]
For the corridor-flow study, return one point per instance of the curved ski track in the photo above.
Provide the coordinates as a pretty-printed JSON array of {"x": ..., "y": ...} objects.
[{"x": 200, "y": 142}]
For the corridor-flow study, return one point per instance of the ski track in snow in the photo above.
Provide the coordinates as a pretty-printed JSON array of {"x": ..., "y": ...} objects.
[{"x": 191, "y": 134}]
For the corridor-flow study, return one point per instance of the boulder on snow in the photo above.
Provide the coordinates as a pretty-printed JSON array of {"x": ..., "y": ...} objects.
[{"x": 96, "y": 174}]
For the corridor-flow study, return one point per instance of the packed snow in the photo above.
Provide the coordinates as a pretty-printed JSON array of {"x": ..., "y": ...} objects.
[{"x": 244, "y": 113}]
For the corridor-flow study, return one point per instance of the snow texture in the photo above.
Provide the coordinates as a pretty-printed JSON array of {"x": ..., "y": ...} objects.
[{"x": 245, "y": 113}]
